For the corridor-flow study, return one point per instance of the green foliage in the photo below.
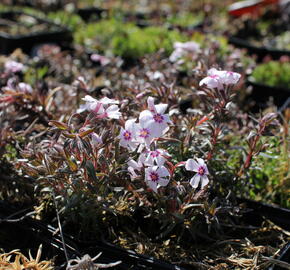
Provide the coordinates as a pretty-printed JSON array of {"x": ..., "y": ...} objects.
[
  {"x": 186, "y": 19},
  {"x": 70, "y": 20},
  {"x": 126, "y": 39},
  {"x": 269, "y": 176},
  {"x": 273, "y": 73}
]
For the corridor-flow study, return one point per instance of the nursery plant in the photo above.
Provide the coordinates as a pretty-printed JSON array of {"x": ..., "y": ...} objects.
[
  {"x": 273, "y": 73},
  {"x": 132, "y": 166},
  {"x": 125, "y": 39},
  {"x": 101, "y": 153}
]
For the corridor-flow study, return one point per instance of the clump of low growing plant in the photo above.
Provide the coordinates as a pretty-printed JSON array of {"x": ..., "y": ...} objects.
[{"x": 273, "y": 73}]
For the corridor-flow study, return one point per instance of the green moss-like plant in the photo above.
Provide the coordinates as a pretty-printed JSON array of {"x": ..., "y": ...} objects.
[
  {"x": 273, "y": 73},
  {"x": 126, "y": 39}
]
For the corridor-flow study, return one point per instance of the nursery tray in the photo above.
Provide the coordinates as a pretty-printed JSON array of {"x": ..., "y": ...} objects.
[
  {"x": 28, "y": 233},
  {"x": 284, "y": 256},
  {"x": 261, "y": 93},
  {"x": 92, "y": 13},
  {"x": 261, "y": 52},
  {"x": 8, "y": 42},
  {"x": 258, "y": 211}
]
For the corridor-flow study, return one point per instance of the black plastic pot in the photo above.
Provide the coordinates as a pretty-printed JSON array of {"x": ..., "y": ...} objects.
[
  {"x": 258, "y": 211},
  {"x": 284, "y": 257},
  {"x": 92, "y": 13},
  {"x": 261, "y": 93},
  {"x": 8, "y": 43},
  {"x": 261, "y": 52},
  {"x": 28, "y": 234}
]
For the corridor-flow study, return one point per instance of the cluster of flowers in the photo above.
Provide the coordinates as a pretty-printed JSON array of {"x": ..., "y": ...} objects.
[
  {"x": 152, "y": 124},
  {"x": 185, "y": 49},
  {"x": 218, "y": 79},
  {"x": 13, "y": 67}
]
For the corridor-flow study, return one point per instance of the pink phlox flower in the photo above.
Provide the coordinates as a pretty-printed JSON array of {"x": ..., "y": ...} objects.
[
  {"x": 226, "y": 77},
  {"x": 13, "y": 66},
  {"x": 156, "y": 177},
  {"x": 200, "y": 168},
  {"x": 111, "y": 112},
  {"x": 155, "y": 75},
  {"x": 134, "y": 167},
  {"x": 176, "y": 55},
  {"x": 155, "y": 157},
  {"x": 182, "y": 49},
  {"x": 155, "y": 118},
  {"x": 103, "y": 60},
  {"x": 128, "y": 134},
  {"x": 20, "y": 87},
  {"x": 212, "y": 81},
  {"x": 219, "y": 78},
  {"x": 25, "y": 88},
  {"x": 189, "y": 46},
  {"x": 96, "y": 139},
  {"x": 101, "y": 107},
  {"x": 144, "y": 134}
]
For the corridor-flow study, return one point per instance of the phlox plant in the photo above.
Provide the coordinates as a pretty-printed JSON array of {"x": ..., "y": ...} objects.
[{"x": 122, "y": 157}]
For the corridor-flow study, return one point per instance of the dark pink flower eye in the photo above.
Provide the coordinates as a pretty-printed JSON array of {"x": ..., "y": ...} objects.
[
  {"x": 154, "y": 176},
  {"x": 144, "y": 133},
  {"x": 127, "y": 135},
  {"x": 201, "y": 170},
  {"x": 154, "y": 153},
  {"x": 158, "y": 118}
]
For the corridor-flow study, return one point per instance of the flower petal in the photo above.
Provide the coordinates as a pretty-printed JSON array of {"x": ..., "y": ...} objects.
[
  {"x": 161, "y": 108},
  {"x": 194, "y": 181},
  {"x": 163, "y": 172},
  {"x": 204, "y": 181},
  {"x": 163, "y": 182},
  {"x": 191, "y": 165}
]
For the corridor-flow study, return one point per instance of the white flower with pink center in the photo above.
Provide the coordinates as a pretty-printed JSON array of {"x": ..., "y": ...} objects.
[
  {"x": 101, "y": 107},
  {"x": 96, "y": 139},
  {"x": 219, "y": 78},
  {"x": 144, "y": 133},
  {"x": 128, "y": 135},
  {"x": 226, "y": 77},
  {"x": 103, "y": 60},
  {"x": 134, "y": 167},
  {"x": 155, "y": 118},
  {"x": 111, "y": 112},
  {"x": 25, "y": 88},
  {"x": 155, "y": 157},
  {"x": 211, "y": 81},
  {"x": 182, "y": 49},
  {"x": 156, "y": 177},
  {"x": 200, "y": 168},
  {"x": 13, "y": 66}
]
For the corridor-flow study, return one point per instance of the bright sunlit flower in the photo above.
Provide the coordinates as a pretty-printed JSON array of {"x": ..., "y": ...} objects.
[
  {"x": 101, "y": 107},
  {"x": 25, "y": 88},
  {"x": 145, "y": 133},
  {"x": 155, "y": 157},
  {"x": 156, "y": 176},
  {"x": 103, "y": 60},
  {"x": 219, "y": 78},
  {"x": 226, "y": 77},
  {"x": 182, "y": 49},
  {"x": 128, "y": 135},
  {"x": 155, "y": 118},
  {"x": 201, "y": 169},
  {"x": 134, "y": 167}
]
